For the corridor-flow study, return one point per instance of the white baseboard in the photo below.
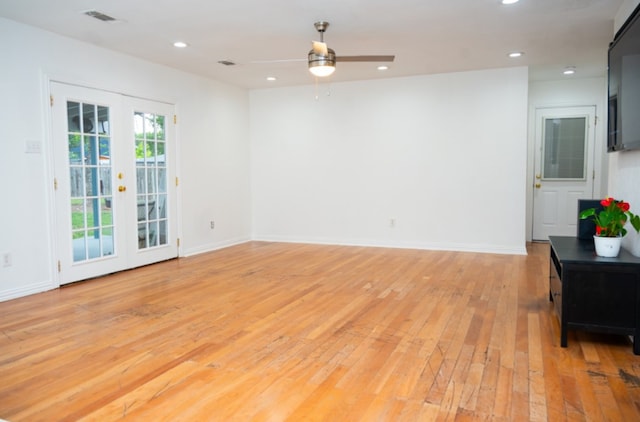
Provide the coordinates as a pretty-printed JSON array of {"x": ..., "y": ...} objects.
[{"x": 20, "y": 292}]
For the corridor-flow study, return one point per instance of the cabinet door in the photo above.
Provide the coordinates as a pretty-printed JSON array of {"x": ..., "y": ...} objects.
[{"x": 602, "y": 297}]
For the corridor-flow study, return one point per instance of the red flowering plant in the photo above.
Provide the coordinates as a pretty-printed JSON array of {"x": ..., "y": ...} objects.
[{"x": 611, "y": 220}]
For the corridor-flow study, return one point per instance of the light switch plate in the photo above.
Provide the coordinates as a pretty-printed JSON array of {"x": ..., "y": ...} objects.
[{"x": 32, "y": 147}]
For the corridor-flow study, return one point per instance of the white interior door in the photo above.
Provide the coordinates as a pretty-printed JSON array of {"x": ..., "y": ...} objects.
[
  {"x": 113, "y": 162},
  {"x": 564, "y": 168}
]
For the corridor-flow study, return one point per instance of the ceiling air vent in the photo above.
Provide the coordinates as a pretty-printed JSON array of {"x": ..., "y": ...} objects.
[{"x": 100, "y": 16}]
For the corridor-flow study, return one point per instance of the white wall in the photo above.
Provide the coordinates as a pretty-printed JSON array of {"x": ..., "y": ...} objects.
[
  {"x": 212, "y": 135},
  {"x": 569, "y": 92},
  {"x": 624, "y": 12},
  {"x": 442, "y": 155},
  {"x": 624, "y": 175}
]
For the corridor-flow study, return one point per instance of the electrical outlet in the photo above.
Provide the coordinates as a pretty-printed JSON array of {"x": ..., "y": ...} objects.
[
  {"x": 6, "y": 259},
  {"x": 213, "y": 224}
]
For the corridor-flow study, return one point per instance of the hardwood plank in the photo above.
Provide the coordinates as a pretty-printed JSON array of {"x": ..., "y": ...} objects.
[
  {"x": 537, "y": 390},
  {"x": 520, "y": 393},
  {"x": 273, "y": 331}
]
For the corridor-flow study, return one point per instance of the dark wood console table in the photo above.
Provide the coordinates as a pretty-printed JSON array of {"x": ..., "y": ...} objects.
[{"x": 593, "y": 293}]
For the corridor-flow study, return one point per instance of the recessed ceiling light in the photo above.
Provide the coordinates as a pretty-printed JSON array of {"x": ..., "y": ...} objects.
[
  {"x": 516, "y": 54},
  {"x": 509, "y": 1},
  {"x": 272, "y": 78},
  {"x": 569, "y": 70},
  {"x": 383, "y": 67},
  {"x": 180, "y": 44}
]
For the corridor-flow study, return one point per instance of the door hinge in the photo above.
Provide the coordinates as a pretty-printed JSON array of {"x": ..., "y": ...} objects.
[
  {"x": 177, "y": 181},
  {"x": 59, "y": 267},
  {"x": 51, "y": 100},
  {"x": 55, "y": 184},
  {"x": 175, "y": 119},
  {"x": 595, "y": 121},
  {"x": 178, "y": 242},
  {"x": 593, "y": 176}
]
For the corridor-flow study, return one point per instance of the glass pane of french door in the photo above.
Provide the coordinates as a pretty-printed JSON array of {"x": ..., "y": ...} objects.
[
  {"x": 151, "y": 179},
  {"x": 89, "y": 151}
]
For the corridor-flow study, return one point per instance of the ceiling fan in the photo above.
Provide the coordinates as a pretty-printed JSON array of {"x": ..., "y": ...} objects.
[{"x": 322, "y": 59}]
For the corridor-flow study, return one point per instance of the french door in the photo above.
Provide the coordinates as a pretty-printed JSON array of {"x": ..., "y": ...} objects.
[{"x": 115, "y": 190}]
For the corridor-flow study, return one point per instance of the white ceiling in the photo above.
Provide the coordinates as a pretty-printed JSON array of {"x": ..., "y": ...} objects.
[{"x": 426, "y": 36}]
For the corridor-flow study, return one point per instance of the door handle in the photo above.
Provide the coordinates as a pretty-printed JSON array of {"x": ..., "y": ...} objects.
[
  {"x": 538, "y": 185},
  {"x": 122, "y": 188}
]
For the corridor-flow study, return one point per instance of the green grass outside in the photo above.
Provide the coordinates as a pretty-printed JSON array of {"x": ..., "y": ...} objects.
[{"x": 78, "y": 220}]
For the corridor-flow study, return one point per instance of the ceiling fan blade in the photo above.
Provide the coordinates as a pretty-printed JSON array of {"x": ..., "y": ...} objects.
[
  {"x": 276, "y": 61},
  {"x": 320, "y": 48},
  {"x": 365, "y": 58}
]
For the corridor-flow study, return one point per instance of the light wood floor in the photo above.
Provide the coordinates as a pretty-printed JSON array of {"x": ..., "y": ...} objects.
[{"x": 269, "y": 331}]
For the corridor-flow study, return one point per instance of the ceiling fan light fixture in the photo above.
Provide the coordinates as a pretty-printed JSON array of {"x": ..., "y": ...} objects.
[
  {"x": 321, "y": 71},
  {"x": 321, "y": 65}
]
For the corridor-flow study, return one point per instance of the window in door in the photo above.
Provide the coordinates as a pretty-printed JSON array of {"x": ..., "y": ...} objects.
[
  {"x": 565, "y": 148},
  {"x": 89, "y": 147},
  {"x": 151, "y": 179}
]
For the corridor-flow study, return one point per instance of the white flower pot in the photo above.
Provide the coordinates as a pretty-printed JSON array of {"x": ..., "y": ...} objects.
[{"x": 608, "y": 247}]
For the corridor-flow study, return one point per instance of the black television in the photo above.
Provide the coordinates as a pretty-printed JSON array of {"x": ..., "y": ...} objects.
[{"x": 624, "y": 86}]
